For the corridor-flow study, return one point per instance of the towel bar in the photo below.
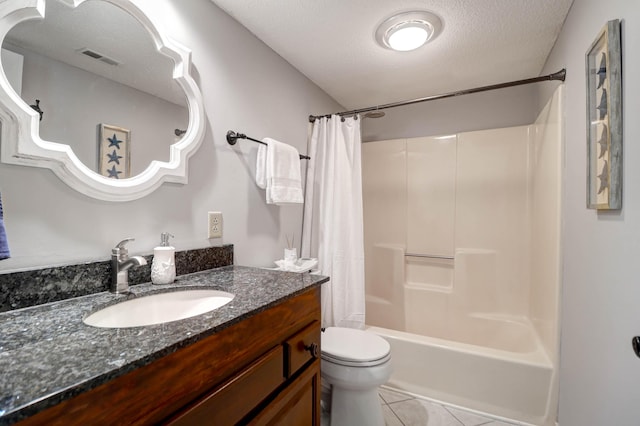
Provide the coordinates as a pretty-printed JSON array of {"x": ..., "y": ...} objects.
[{"x": 232, "y": 138}]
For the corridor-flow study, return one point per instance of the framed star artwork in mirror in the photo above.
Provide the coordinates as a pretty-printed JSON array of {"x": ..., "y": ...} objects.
[
  {"x": 604, "y": 119},
  {"x": 114, "y": 149}
]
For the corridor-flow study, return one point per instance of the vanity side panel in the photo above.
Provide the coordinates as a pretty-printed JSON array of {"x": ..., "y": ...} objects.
[{"x": 155, "y": 392}]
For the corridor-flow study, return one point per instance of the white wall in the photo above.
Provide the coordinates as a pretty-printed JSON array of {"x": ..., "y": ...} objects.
[
  {"x": 73, "y": 119},
  {"x": 12, "y": 64},
  {"x": 599, "y": 373},
  {"x": 515, "y": 106},
  {"x": 246, "y": 87}
]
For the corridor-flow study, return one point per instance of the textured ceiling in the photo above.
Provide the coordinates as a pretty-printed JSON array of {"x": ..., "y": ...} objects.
[{"x": 332, "y": 42}]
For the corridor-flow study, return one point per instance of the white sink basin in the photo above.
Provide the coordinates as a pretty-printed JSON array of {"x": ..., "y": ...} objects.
[{"x": 159, "y": 308}]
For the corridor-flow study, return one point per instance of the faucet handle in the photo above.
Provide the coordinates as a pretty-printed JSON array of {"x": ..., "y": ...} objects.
[{"x": 120, "y": 248}]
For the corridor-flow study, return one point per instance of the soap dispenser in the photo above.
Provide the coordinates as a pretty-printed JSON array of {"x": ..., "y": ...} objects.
[{"x": 163, "y": 268}]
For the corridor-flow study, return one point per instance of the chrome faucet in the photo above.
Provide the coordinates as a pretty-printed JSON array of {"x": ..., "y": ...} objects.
[{"x": 120, "y": 264}]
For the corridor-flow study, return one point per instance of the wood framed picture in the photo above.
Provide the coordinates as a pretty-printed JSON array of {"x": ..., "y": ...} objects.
[
  {"x": 114, "y": 147},
  {"x": 604, "y": 120}
]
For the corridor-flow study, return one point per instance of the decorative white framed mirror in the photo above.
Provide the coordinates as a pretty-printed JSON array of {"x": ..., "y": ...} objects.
[{"x": 77, "y": 58}]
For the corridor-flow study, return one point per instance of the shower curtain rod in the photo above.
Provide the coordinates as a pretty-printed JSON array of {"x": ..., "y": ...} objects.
[{"x": 560, "y": 75}]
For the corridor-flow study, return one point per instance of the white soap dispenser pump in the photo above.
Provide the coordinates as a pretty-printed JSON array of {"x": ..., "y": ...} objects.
[{"x": 163, "y": 268}]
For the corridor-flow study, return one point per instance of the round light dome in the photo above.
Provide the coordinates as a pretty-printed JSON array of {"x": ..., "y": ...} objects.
[{"x": 408, "y": 31}]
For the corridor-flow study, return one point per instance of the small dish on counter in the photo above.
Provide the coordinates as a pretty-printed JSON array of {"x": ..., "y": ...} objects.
[{"x": 302, "y": 264}]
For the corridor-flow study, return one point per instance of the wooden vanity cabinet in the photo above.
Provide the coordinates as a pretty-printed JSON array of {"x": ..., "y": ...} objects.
[{"x": 264, "y": 370}]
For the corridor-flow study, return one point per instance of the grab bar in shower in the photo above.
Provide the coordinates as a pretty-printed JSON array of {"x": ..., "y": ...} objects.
[{"x": 429, "y": 256}]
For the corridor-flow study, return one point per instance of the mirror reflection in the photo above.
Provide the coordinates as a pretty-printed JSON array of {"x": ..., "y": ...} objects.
[{"x": 103, "y": 87}]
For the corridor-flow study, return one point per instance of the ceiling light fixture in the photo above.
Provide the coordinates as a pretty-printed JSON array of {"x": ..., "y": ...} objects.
[{"x": 408, "y": 30}]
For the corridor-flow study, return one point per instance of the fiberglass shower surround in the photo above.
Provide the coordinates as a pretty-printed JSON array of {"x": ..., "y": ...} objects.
[{"x": 462, "y": 237}]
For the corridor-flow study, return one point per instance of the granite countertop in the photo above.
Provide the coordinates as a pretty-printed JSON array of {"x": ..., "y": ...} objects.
[{"x": 47, "y": 354}]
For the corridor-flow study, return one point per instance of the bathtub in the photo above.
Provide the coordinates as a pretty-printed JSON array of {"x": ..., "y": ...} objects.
[{"x": 501, "y": 378}]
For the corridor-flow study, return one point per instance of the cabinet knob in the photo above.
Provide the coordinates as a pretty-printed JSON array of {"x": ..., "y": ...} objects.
[{"x": 314, "y": 349}]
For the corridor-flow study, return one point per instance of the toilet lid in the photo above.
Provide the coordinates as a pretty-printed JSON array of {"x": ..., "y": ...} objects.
[{"x": 347, "y": 345}]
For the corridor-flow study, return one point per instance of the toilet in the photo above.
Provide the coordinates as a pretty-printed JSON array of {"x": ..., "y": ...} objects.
[{"x": 353, "y": 364}]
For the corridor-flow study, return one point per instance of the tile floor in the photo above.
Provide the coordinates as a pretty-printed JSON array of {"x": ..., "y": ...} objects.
[{"x": 400, "y": 409}]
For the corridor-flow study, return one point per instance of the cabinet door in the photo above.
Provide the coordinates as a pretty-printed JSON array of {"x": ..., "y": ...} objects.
[{"x": 298, "y": 404}]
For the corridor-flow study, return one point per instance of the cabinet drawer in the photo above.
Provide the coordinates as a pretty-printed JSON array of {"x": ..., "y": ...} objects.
[
  {"x": 233, "y": 400},
  {"x": 301, "y": 348}
]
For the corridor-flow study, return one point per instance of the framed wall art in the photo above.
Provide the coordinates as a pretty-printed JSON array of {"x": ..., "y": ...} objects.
[
  {"x": 604, "y": 119},
  {"x": 114, "y": 148}
]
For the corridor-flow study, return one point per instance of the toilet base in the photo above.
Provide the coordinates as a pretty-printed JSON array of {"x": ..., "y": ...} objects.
[
  {"x": 355, "y": 407},
  {"x": 354, "y": 363},
  {"x": 325, "y": 396}
]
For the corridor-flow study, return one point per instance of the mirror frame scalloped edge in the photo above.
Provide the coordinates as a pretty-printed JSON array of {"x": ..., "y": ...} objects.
[{"x": 20, "y": 143}]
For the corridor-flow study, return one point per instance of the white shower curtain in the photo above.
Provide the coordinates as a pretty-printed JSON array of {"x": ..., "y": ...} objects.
[{"x": 333, "y": 228}]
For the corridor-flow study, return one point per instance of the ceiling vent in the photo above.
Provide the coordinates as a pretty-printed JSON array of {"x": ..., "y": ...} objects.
[{"x": 99, "y": 56}]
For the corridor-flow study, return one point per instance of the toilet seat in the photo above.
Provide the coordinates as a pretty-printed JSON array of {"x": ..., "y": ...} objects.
[{"x": 354, "y": 348}]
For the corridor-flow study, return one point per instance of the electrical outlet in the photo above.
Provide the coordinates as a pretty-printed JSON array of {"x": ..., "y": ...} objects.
[{"x": 215, "y": 225}]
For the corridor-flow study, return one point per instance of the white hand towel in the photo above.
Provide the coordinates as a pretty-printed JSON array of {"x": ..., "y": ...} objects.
[
  {"x": 261, "y": 167},
  {"x": 278, "y": 170}
]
